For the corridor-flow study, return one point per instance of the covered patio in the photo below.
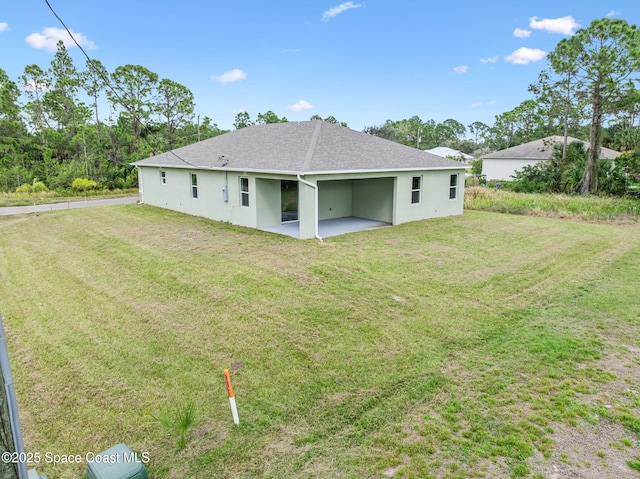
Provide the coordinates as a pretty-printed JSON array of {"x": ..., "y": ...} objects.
[{"x": 329, "y": 227}]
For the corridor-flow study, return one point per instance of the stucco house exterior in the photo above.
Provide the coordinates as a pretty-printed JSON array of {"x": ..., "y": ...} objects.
[
  {"x": 503, "y": 164},
  {"x": 322, "y": 171}
]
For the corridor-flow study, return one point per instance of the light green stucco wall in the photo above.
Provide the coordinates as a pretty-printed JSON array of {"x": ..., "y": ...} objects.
[
  {"x": 268, "y": 202},
  {"x": 336, "y": 199},
  {"x": 434, "y": 201},
  {"x": 373, "y": 199},
  {"x": 365, "y": 198},
  {"x": 380, "y": 196},
  {"x": 176, "y": 194},
  {"x": 307, "y": 210}
]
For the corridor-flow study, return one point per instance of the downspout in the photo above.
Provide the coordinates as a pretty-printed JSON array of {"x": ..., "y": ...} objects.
[
  {"x": 140, "y": 187},
  {"x": 315, "y": 190}
]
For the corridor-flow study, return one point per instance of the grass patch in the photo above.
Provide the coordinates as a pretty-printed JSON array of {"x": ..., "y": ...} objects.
[
  {"x": 589, "y": 208},
  {"x": 443, "y": 348},
  {"x": 50, "y": 197}
]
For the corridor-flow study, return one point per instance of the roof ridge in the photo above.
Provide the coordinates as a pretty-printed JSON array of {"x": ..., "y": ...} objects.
[{"x": 312, "y": 146}]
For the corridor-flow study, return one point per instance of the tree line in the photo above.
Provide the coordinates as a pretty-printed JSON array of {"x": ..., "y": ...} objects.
[
  {"x": 59, "y": 134},
  {"x": 588, "y": 91}
]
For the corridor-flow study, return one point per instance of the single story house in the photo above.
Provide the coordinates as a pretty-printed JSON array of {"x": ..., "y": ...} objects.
[
  {"x": 446, "y": 152},
  {"x": 503, "y": 164},
  {"x": 297, "y": 178}
]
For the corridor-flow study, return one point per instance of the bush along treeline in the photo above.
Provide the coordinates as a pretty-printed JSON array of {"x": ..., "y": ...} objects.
[
  {"x": 564, "y": 173},
  {"x": 53, "y": 130}
]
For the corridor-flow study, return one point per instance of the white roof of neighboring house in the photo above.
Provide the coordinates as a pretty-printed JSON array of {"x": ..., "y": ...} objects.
[
  {"x": 543, "y": 149},
  {"x": 445, "y": 152}
]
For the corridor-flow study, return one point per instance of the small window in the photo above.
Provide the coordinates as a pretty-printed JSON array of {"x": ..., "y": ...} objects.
[
  {"x": 163, "y": 177},
  {"x": 194, "y": 185},
  {"x": 244, "y": 191},
  {"x": 453, "y": 187},
  {"x": 416, "y": 184}
]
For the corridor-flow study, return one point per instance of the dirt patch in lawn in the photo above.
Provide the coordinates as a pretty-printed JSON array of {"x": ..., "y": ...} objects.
[{"x": 602, "y": 449}]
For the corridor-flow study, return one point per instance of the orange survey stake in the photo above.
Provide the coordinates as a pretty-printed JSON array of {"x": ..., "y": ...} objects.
[
  {"x": 227, "y": 379},
  {"x": 232, "y": 400}
]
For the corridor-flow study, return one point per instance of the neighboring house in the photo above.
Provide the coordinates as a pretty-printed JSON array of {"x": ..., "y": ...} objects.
[
  {"x": 302, "y": 175},
  {"x": 503, "y": 164},
  {"x": 446, "y": 152}
]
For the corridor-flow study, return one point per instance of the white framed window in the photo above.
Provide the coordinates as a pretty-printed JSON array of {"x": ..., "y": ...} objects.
[
  {"x": 163, "y": 177},
  {"x": 416, "y": 189},
  {"x": 194, "y": 186},
  {"x": 453, "y": 187},
  {"x": 244, "y": 191}
]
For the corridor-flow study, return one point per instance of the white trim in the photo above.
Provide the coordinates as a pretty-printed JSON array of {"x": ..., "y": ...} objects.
[
  {"x": 457, "y": 185},
  {"x": 244, "y": 193},
  {"x": 308, "y": 173},
  {"x": 418, "y": 189},
  {"x": 192, "y": 186}
]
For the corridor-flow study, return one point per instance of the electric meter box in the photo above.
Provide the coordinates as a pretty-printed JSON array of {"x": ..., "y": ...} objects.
[{"x": 118, "y": 462}]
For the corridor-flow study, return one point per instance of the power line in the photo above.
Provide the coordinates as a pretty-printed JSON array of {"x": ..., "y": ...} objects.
[{"x": 108, "y": 83}]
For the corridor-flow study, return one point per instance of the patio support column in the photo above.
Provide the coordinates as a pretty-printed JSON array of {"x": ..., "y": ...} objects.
[{"x": 308, "y": 209}]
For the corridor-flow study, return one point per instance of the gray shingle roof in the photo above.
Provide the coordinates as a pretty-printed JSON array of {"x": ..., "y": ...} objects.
[
  {"x": 300, "y": 147},
  {"x": 542, "y": 150}
]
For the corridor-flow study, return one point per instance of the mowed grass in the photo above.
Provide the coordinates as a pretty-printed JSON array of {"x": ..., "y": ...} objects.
[{"x": 441, "y": 348}]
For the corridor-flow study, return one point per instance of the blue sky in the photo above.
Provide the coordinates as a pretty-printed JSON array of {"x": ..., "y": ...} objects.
[{"x": 362, "y": 61}]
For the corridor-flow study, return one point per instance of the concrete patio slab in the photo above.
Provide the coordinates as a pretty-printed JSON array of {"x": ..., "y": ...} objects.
[{"x": 327, "y": 228}]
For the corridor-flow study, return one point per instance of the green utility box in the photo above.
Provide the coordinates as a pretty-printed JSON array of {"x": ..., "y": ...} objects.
[{"x": 118, "y": 462}]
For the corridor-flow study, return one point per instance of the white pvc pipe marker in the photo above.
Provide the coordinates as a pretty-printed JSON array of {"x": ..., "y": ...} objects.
[{"x": 232, "y": 399}]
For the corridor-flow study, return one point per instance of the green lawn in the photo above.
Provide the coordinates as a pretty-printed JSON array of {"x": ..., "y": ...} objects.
[{"x": 454, "y": 347}]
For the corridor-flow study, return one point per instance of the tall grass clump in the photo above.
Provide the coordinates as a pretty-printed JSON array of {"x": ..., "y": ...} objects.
[
  {"x": 589, "y": 208},
  {"x": 178, "y": 419}
]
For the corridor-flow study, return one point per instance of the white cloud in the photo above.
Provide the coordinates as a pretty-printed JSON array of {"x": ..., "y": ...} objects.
[
  {"x": 301, "y": 105},
  {"x": 343, "y": 7},
  {"x": 4, "y": 26},
  {"x": 33, "y": 86},
  {"x": 565, "y": 25},
  {"x": 521, "y": 33},
  {"x": 461, "y": 69},
  {"x": 477, "y": 105},
  {"x": 292, "y": 50},
  {"x": 50, "y": 37},
  {"x": 230, "y": 76},
  {"x": 489, "y": 60},
  {"x": 524, "y": 55},
  {"x": 613, "y": 13}
]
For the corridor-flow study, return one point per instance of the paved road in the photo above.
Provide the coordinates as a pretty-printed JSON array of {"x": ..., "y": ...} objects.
[{"x": 18, "y": 210}]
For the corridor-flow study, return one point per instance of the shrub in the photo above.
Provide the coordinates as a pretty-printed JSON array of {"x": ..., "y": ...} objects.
[
  {"x": 565, "y": 176},
  {"x": 25, "y": 188},
  {"x": 36, "y": 187},
  {"x": 83, "y": 184},
  {"x": 39, "y": 187},
  {"x": 476, "y": 167},
  {"x": 538, "y": 178}
]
